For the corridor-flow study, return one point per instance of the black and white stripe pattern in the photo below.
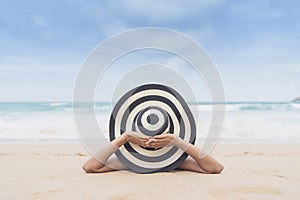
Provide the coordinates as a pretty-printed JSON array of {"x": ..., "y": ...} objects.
[
  {"x": 152, "y": 109},
  {"x": 152, "y": 121}
]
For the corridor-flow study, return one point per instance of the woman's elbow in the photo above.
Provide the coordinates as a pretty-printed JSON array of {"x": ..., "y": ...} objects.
[
  {"x": 217, "y": 169},
  {"x": 87, "y": 169}
]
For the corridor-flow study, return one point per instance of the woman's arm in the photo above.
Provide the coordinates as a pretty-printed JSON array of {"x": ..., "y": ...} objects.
[
  {"x": 196, "y": 163},
  {"x": 101, "y": 162}
]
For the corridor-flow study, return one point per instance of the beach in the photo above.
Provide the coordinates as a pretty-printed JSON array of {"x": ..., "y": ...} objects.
[
  {"x": 41, "y": 156},
  {"x": 53, "y": 171},
  {"x": 81, "y": 78}
]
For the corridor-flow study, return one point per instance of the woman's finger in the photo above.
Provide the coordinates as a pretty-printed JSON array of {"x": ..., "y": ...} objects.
[{"x": 162, "y": 136}]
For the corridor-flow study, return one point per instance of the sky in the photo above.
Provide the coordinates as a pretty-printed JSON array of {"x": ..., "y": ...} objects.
[{"x": 255, "y": 44}]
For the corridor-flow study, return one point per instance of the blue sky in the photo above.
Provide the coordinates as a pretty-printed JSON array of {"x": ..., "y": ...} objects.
[{"x": 255, "y": 44}]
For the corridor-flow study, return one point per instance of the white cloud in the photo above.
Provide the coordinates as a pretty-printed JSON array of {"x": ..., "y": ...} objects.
[
  {"x": 292, "y": 84},
  {"x": 115, "y": 27},
  {"x": 205, "y": 34},
  {"x": 297, "y": 68},
  {"x": 19, "y": 65},
  {"x": 43, "y": 28},
  {"x": 259, "y": 10},
  {"x": 154, "y": 11},
  {"x": 267, "y": 44},
  {"x": 161, "y": 11},
  {"x": 48, "y": 35},
  {"x": 39, "y": 21}
]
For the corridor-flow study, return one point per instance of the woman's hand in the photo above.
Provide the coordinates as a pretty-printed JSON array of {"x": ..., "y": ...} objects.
[
  {"x": 166, "y": 140},
  {"x": 136, "y": 138},
  {"x": 163, "y": 140}
]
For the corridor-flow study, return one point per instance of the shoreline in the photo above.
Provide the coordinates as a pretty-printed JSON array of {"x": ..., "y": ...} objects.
[{"x": 221, "y": 141}]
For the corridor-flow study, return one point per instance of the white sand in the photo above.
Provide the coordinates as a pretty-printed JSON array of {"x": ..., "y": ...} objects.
[{"x": 53, "y": 171}]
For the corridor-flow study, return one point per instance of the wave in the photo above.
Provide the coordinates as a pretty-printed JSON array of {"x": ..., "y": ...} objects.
[
  {"x": 105, "y": 107},
  {"x": 263, "y": 106},
  {"x": 244, "y": 120},
  {"x": 59, "y": 104},
  {"x": 238, "y": 125},
  {"x": 296, "y": 105}
]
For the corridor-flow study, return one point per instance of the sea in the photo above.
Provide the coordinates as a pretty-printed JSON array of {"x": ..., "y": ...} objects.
[{"x": 244, "y": 121}]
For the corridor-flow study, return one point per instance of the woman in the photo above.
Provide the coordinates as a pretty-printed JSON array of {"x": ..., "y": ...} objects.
[{"x": 101, "y": 162}]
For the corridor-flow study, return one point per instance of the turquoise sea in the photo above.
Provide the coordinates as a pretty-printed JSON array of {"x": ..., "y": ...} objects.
[{"x": 244, "y": 120}]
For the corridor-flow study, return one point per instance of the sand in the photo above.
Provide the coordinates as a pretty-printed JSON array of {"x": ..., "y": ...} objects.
[{"x": 53, "y": 171}]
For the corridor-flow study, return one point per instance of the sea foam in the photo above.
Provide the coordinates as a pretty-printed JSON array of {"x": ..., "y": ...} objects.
[{"x": 244, "y": 120}]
